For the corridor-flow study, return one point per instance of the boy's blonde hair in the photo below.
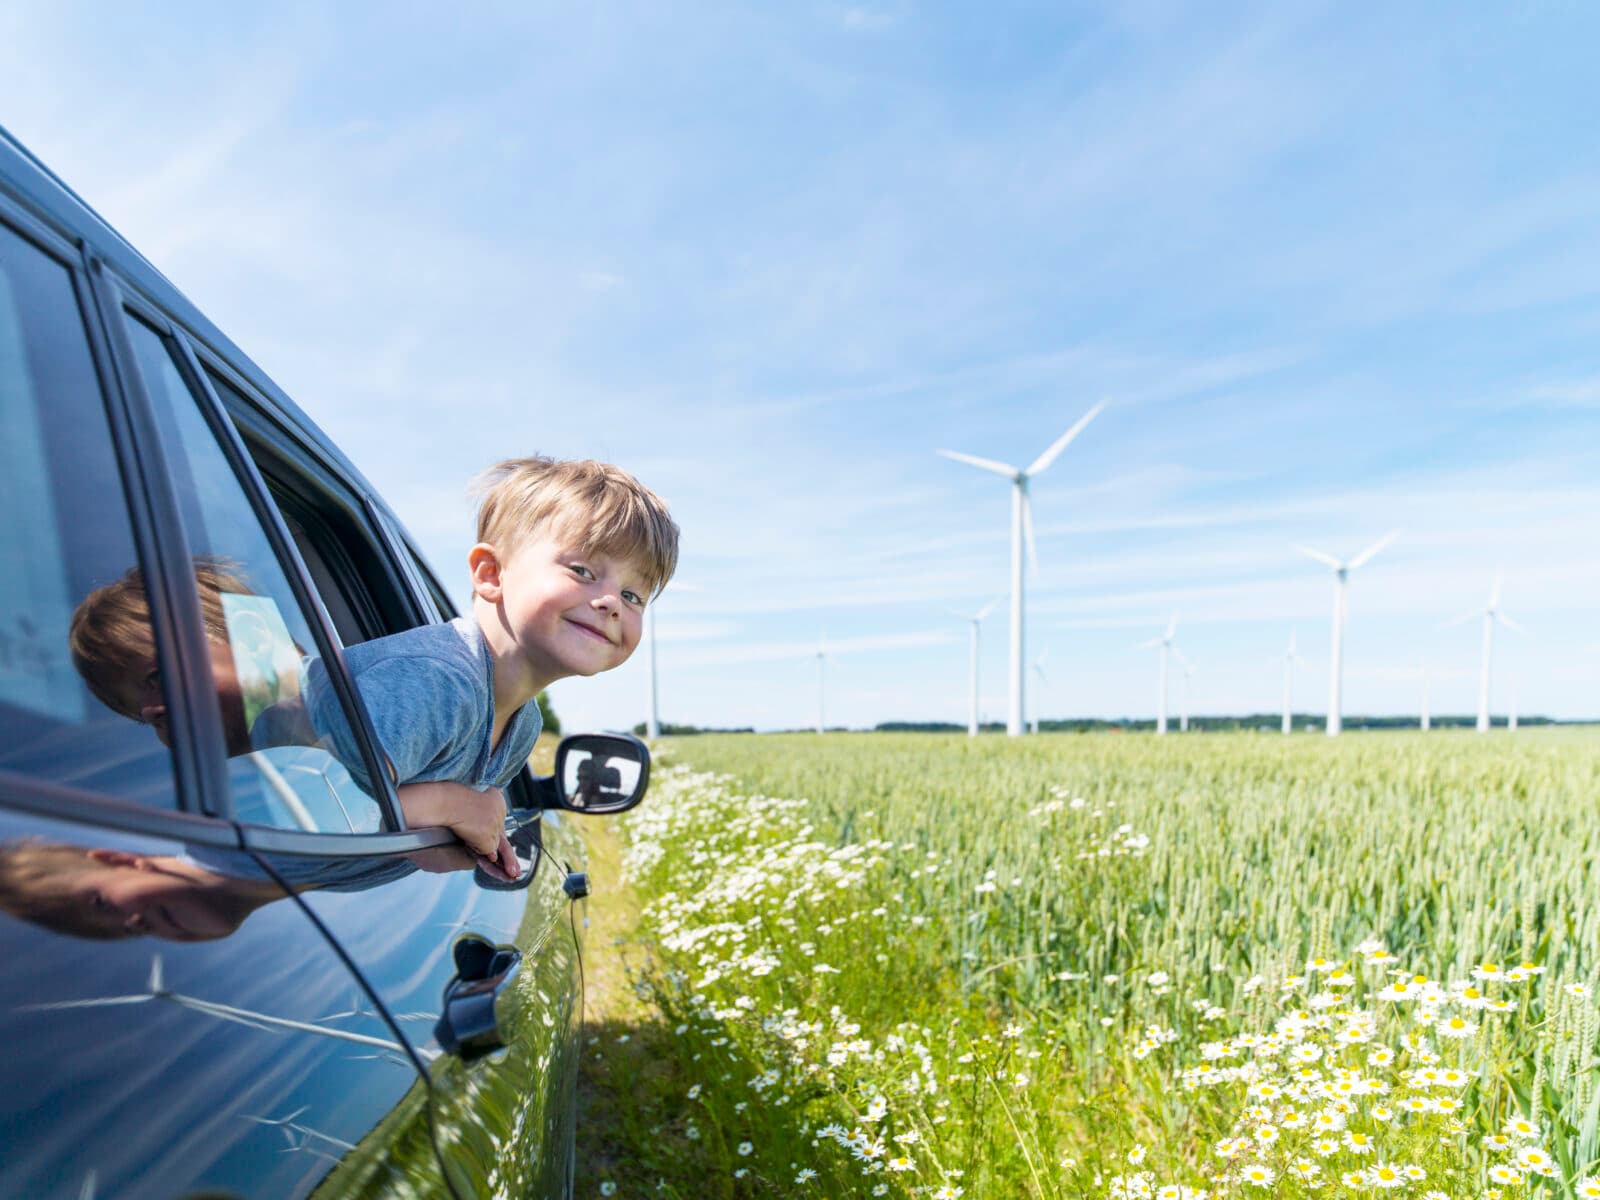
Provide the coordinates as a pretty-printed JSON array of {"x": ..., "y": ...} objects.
[
  {"x": 111, "y": 633},
  {"x": 602, "y": 507}
]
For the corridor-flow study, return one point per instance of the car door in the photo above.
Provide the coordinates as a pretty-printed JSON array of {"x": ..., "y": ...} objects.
[
  {"x": 174, "y": 1022},
  {"x": 482, "y": 979}
]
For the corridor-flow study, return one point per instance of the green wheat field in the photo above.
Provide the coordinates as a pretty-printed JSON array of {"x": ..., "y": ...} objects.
[{"x": 1111, "y": 966}]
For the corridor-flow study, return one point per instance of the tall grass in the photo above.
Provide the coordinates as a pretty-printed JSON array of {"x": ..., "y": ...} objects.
[{"x": 1065, "y": 966}]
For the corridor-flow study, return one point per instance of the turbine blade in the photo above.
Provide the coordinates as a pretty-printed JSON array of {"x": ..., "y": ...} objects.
[
  {"x": 986, "y": 610},
  {"x": 1371, "y": 551},
  {"x": 1325, "y": 559},
  {"x": 1494, "y": 592},
  {"x": 1044, "y": 460},
  {"x": 1027, "y": 531},
  {"x": 985, "y": 464},
  {"x": 1463, "y": 618},
  {"x": 1507, "y": 621},
  {"x": 1183, "y": 658},
  {"x": 1150, "y": 645},
  {"x": 1172, "y": 628}
]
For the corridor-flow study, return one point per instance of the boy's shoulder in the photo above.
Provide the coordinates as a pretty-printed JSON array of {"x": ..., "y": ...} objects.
[{"x": 454, "y": 646}]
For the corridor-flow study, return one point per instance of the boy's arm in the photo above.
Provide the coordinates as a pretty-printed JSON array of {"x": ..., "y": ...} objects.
[{"x": 477, "y": 818}]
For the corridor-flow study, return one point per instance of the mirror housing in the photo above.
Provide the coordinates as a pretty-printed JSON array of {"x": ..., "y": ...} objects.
[{"x": 596, "y": 773}]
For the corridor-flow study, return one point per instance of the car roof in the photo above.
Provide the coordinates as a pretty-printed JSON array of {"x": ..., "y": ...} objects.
[{"x": 48, "y": 198}]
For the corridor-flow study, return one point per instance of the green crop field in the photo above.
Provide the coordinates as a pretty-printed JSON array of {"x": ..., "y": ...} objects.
[{"x": 1232, "y": 965}]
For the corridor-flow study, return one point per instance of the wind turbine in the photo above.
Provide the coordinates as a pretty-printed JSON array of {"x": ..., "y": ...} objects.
[
  {"x": 1290, "y": 657},
  {"x": 822, "y": 658},
  {"x": 1427, "y": 717},
  {"x": 1183, "y": 693},
  {"x": 1341, "y": 574},
  {"x": 976, "y": 619},
  {"x": 1165, "y": 642},
  {"x": 653, "y": 726},
  {"x": 1022, "y": 529},
  {"x": 1491, "y": 613},
  {"x": 1038, "y": 669}
]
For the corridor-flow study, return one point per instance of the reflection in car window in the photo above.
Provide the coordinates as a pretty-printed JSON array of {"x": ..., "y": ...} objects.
[
  {"x": 66, "y": 534},
  {"x": 280, "y": 771}
]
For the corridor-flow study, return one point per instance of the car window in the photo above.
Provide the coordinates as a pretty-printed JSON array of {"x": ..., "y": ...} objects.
[
  {"x": 294, "y": 759},
  {"x": 82, "y": 701}
]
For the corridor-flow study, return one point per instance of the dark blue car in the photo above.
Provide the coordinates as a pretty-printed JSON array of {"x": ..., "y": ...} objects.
[{"x": 230, "y": 969}]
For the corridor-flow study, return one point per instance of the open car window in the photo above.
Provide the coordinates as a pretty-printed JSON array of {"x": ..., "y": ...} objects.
[{"x": 295, "y": 759}]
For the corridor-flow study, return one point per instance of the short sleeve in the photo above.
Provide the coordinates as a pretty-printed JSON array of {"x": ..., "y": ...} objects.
[{"x": 423, "y": 711}]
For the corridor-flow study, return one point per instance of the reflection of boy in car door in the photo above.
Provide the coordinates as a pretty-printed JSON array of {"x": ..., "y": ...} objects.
[{"x": 255, "y": 667}]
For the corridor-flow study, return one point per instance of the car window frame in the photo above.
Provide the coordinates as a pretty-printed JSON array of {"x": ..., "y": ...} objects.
[
  {"x": 149, "y": 505},
  {"x": 397, "y": 838}
]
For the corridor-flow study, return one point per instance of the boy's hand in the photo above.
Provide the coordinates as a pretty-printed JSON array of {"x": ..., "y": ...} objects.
[{"x": 477, "y": 818}]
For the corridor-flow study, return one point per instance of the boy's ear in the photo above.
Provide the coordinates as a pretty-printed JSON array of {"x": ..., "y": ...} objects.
[{"x": 484, "y": 565}]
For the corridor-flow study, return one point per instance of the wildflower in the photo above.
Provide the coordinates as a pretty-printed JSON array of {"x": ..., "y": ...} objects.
[
  {"x": 1502, "y": 1173},
  {"x": 1456, "y": 1027},
  {"x": 1382, "y": 1112},
  {"x": 1578, "y": 990},
  {"x": 607, "y": 1188},
  {"x": 1136, "y": 1155},
  {"x": 1522, "y": 1127},
  {"x": 1258, "y": 1175},
  {"x": 1304, "y": 1169},
  {"x": 947, "y": 1192},
  {"x": 1588, "y": 1186},
  {"x": 1325, "y": 1147},
  {"x": 1357, "y": 1143},
  {"x": 1386, "y": 1175},
  {"x": 903, "y": 1163},
  {"x": 694, "y": 1092},
  {"x": 805, "y": 1176},
  {"x": 1535, "y": 1161},
  {"x": 1488, "y": 971},
  {"x": 745, "y": 1149}
]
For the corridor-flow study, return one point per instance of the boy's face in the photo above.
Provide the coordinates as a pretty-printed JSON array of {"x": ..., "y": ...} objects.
[{"x": 570, "y": 613}]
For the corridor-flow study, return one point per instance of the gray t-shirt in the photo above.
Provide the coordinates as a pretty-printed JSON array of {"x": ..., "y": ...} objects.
[{"x": 430, "y": 694}]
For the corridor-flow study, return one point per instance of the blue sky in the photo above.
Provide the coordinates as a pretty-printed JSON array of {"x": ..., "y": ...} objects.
[{"x": 1334, "y": 272}]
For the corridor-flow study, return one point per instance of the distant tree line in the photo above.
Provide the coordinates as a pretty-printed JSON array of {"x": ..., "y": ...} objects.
[
  {"x": 1270, "y": 722},
  {"x": 668, "y": 729}
]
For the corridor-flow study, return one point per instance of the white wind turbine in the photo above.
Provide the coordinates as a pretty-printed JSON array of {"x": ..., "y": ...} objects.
[
  {"x": 1165, "y": 642},
  {"x": 822, "y": 658},
  {"x": 975, "y": 619},
  {"x": 1426, "y": 722},
  {"x": 1290, "y": 657},
  {"x": 653, "y": 724},
  {"x": 1022, "y": 530},
  {"x": 1183, "y": 692},
  {"x": 1038, "y": 669},
  {"x": 1491, "y": 613},
  {"x": 1341, "y": 574}
]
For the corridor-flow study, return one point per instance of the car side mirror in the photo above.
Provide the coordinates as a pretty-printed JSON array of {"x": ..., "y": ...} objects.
[{"x": 597, "y": 773}]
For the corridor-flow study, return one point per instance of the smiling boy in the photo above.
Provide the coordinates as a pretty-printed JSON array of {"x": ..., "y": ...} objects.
[{"x": 568, "y": 555}]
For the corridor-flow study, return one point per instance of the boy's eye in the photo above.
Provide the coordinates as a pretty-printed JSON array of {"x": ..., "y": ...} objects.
[
  {"x": 633, "y": 597},
  {"x": 581, "y": 571}
]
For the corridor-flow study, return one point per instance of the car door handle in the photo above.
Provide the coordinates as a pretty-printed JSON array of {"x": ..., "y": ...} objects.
[{"x": 484, "y": 972}]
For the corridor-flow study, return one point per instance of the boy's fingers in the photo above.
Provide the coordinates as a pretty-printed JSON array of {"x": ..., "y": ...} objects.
[{"x": 508, "y": 858}]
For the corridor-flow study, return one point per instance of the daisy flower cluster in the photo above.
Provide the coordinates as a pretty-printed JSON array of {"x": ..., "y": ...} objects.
[{"x": 1368, "y": 1077}]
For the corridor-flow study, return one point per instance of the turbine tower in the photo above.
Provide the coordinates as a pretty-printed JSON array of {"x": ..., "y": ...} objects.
[
  {"x": 1426, "y": 722},
  {"x": 975, "y": 620},
  {"x": 1341, "y": 574},
  {"x": 1290, "y": 657},
  {"x": 1038, "y": 669},
  {"x": 822, "y": 658},
  {"x": 653, "y": 726},
  {"x": 1491, "y": 613},
  {"x": 1022, "y": 530},
  {"x": 1165, "y": 642},
  {"x": 1183, "y": 692}
]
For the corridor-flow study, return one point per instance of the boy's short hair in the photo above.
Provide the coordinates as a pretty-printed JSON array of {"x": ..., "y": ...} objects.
[
  {"x": 605, "y": 509},
  {"x": 36, "y": 885},
  {"x": 111, "y": 630}
]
